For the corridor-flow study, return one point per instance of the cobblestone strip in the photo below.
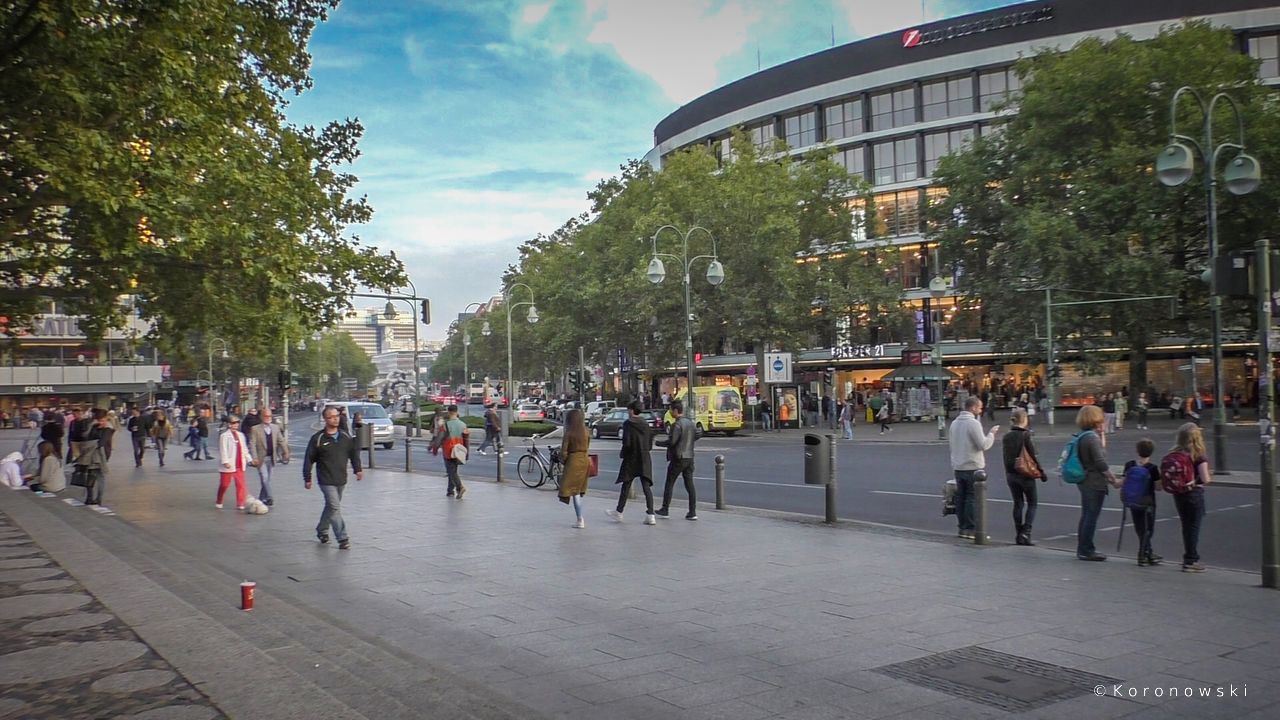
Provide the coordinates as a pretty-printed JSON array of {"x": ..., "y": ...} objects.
[{"x": 66, "y": 657}]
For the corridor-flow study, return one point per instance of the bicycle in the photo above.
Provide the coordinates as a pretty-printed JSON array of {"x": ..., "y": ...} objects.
[{"x": 534, "y": 468}]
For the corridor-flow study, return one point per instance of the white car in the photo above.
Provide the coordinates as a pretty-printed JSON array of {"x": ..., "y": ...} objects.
[
  {"x": 598, "y": 409},
  {"x": 529, "y": 411},
  {"x": 384, "y": 431}
]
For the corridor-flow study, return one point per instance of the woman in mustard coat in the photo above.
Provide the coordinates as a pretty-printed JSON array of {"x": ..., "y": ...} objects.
[{"x": 577, "y": 464}]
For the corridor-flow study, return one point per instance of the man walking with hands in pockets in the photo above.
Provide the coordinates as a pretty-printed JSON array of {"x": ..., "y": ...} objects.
[
  {"x": 331, "y": 450},
  {"x": 968, "y": 445}
]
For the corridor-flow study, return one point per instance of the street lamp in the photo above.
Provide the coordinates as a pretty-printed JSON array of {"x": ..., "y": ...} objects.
[
  {"x": 213, "y": 394},
  {"x": 466, "y": 367},
  {"x": 533, "y": 318},
  {"x": 657, "y": 273},
  {"x": 938, "y": 289},
  {"x": 1174, "y": 166}
]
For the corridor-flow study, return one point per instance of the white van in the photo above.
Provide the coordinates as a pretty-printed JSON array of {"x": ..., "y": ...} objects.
[
  {"x": 384, "y": 431},
  {"x": 598, "y": 408}
]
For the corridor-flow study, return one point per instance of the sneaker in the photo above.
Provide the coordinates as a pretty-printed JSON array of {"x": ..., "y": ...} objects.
[
  {"x": 505, "y": 452},
  {"x": 481, "y": 452},
  {"x": 460, "y": 491},
  {"x": 218, "y": 505},
  {"x": 614, "y": 515},
  {"x": 449, "y": 494},
  {"x": 966, "y": 534},
  {"x": 580, "y": 523},
  {"x": 691, "y": 516},
  {"x": 1193, "y": 568},
  {"x": 649, "y": 519},
  {"x": 240, "y": 508},
  {"x": 662, "y": 512},
  {"x": 1096, "y": 557},
  {"x": 344, "y": 544},
  {"x": 269, "y": 502},
  {"x": 1155, "y": 559},
  {"x": 323, "y": 538}
]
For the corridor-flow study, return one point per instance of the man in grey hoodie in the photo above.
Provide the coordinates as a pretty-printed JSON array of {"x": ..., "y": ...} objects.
[{"x": 968, "y": 445}]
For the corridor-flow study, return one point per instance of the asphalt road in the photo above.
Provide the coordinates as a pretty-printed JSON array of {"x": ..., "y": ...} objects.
[{"x": 900, "y": 484}]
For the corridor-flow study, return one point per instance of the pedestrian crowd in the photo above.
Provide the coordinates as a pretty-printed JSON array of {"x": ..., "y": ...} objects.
[{"x": 1183, "y": 472}]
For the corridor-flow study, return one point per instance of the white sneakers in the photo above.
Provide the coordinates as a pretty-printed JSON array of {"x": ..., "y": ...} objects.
[
  {"x": 614, "y": 515},
  {"x": 218, "y": 505},
  {"x": 580, "y": 523},
  {"x": 650, "y": 519}
]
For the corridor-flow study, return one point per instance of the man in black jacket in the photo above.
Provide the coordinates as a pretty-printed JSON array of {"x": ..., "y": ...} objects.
[
  {"x": 76, "y": 432},
  {"x": 679, "y": 443},
  {"x": 331, "y": 450},
  {"x": 637, "y": 439},
  {"x": 202, "y": 427},
  {"x": 138, "y": 433}
]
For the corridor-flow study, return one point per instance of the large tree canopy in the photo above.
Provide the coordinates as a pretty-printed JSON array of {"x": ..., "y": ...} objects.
[
  {"x": 143, "y": 150},
  {"x": 1066, "y": 197}
]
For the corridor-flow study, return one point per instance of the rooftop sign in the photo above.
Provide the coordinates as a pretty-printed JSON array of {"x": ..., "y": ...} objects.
[{"x": 916, "y": 36}]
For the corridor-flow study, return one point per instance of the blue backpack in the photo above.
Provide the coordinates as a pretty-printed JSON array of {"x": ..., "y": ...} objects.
[
  {"x": 1137, "y": 490},
  {"x": 1069, "y": 465}
]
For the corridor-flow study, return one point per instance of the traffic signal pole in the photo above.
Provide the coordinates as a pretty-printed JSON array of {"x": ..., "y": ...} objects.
[{"x": 1266, "y": 416}]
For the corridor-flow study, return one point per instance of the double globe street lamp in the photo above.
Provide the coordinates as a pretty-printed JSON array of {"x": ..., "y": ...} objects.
[
  {"x": 466, "y": 367},
  {"x": 656, "y": 273},
  {"x": 1176, "y": 165},
  {"x": 509, "y": 390},
  {"x": 213, "y": 392}
]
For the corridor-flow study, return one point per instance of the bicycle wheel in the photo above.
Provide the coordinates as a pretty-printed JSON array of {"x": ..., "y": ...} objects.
[
  {"x": 530, "y": 471},
  {"x": 557, "y": 474}
]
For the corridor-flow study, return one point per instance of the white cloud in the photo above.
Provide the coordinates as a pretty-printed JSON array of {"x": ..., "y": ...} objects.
[
  {"x": 868, "y": 18},
  {"x": 534, "y": 14}
]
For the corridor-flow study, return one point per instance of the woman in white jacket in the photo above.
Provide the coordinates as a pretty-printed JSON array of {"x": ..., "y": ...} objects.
[{"x": 234, "y": 456}]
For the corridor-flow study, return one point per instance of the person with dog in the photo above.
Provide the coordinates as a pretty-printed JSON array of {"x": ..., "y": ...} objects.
[
  {"x": 234, "y": 457},
  {"x": 270, "y": 447},
  {"x": 331, "y": 450}
]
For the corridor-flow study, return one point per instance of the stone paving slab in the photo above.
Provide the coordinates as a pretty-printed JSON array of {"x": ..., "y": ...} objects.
[{"x": 65, "y": 656}]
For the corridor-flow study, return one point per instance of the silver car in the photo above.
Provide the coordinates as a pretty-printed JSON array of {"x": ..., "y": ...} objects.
[{"x": 384, "y": 430}]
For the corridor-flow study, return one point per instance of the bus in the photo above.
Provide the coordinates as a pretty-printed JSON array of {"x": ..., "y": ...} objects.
[
  {"x": 475, "y": 393},
  {"x": 715, "y": 408}
]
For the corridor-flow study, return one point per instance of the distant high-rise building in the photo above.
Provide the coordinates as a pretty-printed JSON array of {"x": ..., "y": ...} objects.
[{"x": 375, "y": 334}]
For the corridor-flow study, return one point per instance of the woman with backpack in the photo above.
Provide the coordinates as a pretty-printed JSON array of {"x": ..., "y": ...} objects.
[
  {"x": 1021, "y": 470},
  {"x": 1096, "y": 477},
  {"x": 1183, "y": 474}
]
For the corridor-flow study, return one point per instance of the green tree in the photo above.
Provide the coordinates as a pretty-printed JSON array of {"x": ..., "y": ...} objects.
[
  {"x": 146, "y": 153},
  {"x": 1065, "y": 196},
  {"x": 325, "y": 361}
]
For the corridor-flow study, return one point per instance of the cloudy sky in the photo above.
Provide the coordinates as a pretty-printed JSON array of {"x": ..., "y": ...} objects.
[{"x": 488, "y": 121}]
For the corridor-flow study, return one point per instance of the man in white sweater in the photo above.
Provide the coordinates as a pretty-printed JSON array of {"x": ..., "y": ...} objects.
[{"x": 968, "y": 443}]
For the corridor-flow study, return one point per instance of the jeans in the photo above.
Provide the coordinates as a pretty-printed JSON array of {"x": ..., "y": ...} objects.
[
  {"x": 848, "y": 429},
  {"x": 161, "y": 444},
  {"x": 139, "y": 448},
  {"x": 204, "y": 445},
  {"x": 490, "y": 439},
  {"x": 1091, "y": 501},
  {"x": 1144, "y": 524},
  {"x": 965, "y": 499},
  {"x": 455, "y": 480},
  {"x": 94, "y": 493},
  {"x": 264, "y": 475},
  {"x": 1191, "y": 513},
  {"x": 767, "y": 418},
  {"x": 645, "y": 484},
  {"x": 1023, "y": 490},
  {"x": 675, "y": 469},
  {"x": 332, "y": 513}
]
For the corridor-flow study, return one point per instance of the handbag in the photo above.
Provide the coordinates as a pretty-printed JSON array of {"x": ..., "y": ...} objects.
[
  {"x": 593, "y": 465},
  {"x": 1025, "y": 465},
  {"x": 82, "y": 476}
]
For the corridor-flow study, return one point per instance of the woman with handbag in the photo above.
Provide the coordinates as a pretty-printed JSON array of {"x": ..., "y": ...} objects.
[
  {"x": 1022, "y": 468},
  {"x": 577, "y": 463}
]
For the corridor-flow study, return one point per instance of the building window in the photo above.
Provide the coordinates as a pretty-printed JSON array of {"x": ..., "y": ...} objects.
[
  {"x": 895, "y": 161},
  {"x": 724, "y": 150},
  {"x": 762, "y": 135},
  {"x": 996, "y": 86},
  {"x": 845, "y": 119},
  {"x": 988, "y": 130},
  {"x": 1267, "y": 50},
  {"x": 897, "y": 213},
  {"x": 943, "y": 143},
  {"x": 801, "y": 129},
  {"x": 895, "y": 108},
  {"x": 952, "y": 97},
  {"x": 858, "y": 211},
  {"x": 911, "y": 263},
  {"x": 853, "y": 160}
]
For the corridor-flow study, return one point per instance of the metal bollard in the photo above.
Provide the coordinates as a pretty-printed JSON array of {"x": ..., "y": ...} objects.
[
  {"x": 498, "y": 452},
  {"x": 408, "y": 459},
  {"x": 719, "y": 482},
  {"x": 831, "y": 485},
  {"x": 371, "y": 456},
  {"x": 980, "y": 512}
]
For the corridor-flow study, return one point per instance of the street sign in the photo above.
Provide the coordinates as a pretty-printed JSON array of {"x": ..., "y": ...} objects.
[
  {"x": 777, "y": 367},
  {"x": 753, "y": 399},
  {"x": 349, "y": 383}
]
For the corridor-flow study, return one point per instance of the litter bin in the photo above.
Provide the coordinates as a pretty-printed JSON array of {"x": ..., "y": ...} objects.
[
  {"x": 364, "y": 436},
  {"x": 817, "y": 458}
]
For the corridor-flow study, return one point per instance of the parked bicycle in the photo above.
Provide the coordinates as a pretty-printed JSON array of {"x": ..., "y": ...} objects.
[{"x": 535, "y": 467}]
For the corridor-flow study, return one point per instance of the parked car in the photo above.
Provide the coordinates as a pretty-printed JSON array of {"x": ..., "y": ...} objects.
[
  {"x": 598, "y": 409},
  {"x": 384, "y": 431},
  {"x": 611, "y": 424},
  {"x": 529, "y": 411}
]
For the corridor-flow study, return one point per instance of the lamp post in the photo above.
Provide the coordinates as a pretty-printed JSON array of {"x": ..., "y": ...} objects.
[
  {"x": 1174, "y": 166},
  {"x": 466, "y": 368},
  {"x": 657, "y": 273},
  {"x": 938, "y": 288},
  {"x": 389, "y": 312},
  {"x": 533, "y": 318},
  {"x": 213, "y": 395}
]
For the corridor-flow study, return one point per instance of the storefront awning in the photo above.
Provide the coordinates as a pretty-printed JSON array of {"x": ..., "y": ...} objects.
[{"x": 919, "y": 373}]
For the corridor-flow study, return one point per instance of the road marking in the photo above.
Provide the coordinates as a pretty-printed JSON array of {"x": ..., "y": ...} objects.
[{"x": 990, "y": 499}]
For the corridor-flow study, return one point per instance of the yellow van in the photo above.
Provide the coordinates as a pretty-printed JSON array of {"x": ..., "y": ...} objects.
[{"x": 716, "y": 408}]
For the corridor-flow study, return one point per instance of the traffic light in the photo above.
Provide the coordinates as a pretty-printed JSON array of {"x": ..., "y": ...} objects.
[
  {"x": 282, "y": 379},
  {"x": 426, "y": 312}
]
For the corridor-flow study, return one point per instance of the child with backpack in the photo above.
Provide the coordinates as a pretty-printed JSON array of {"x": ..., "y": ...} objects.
[
  {"x": 1138, "y": 493},
  {"x": 1183, "y": 474}
]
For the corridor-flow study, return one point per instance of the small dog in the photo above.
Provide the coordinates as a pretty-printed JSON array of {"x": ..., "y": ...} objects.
[{"x": 254, "y": 506}]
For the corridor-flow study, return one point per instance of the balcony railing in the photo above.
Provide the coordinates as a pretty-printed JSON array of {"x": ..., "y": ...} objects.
[{"x": 79, "y": 374}]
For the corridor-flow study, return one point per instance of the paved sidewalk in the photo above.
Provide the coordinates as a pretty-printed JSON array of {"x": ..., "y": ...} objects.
[{"x": 739, "y": 615}]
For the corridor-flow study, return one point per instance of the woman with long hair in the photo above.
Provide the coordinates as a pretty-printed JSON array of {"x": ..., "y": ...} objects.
[
  {"x": 1190, "y": 504},
  {"x": 577, "y": 463},
  {"x": 50, "y": 478}
]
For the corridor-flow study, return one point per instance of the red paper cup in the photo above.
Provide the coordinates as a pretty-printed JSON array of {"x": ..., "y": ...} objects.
[{"x": 246, "y": 594}]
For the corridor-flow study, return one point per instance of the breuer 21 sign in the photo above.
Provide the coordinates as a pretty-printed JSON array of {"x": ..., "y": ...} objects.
[{"x": 850, "y": 352}]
